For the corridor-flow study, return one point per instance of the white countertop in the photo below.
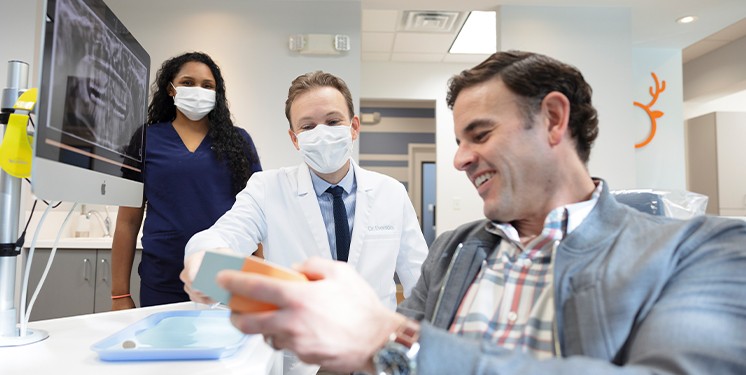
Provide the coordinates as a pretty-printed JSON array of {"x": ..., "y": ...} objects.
[
  {"x": 53, "y": 225},
  {"x": 76, "y": 243},
  {"x": 67, "y": 349}
]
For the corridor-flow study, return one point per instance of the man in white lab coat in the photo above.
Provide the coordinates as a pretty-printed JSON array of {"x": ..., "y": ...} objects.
[{"x": 291, "y": 212}]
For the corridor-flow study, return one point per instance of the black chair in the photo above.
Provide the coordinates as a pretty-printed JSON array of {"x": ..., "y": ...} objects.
[{"x": 645, "y": 201}]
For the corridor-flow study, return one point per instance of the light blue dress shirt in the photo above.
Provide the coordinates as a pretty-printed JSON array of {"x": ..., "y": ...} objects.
[{"x": 349, "y": 185}]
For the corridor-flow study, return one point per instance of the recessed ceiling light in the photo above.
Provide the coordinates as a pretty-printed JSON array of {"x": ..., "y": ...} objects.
[
  {"x": 478, "y": 35},
  {"x": 687, "y": 19}
]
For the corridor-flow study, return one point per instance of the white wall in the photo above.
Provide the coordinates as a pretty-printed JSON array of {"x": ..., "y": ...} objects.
[
  {"x": 716, "y": 74},
  {"x": 716, "y": 81},
  {"x": 659, "y": 164},
  {"x": 457, "y": 199},
  {"x": 18, "y": 25},
  {"x": 598, "y": 42},
  {"x": 18, "y": 29},
  {"x": 728, "y": 103},
  {"x": 249, "y": 40}
]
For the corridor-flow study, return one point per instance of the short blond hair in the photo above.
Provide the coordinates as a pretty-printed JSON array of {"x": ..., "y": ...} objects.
[{"x": 306, "y": 82}]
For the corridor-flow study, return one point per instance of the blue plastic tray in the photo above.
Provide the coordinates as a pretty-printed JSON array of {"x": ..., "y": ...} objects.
[{"x": 174, "y": 335}]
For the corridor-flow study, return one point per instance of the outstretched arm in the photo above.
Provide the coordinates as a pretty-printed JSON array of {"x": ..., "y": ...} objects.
[{"x": 303, "y": 323}]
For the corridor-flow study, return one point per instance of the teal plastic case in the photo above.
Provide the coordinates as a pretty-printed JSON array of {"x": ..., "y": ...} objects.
[{"x": 174, "y": 335}]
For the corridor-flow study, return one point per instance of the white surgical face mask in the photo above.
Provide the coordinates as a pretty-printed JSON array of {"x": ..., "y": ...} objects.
[
  {"x": 194, "y": 102},
  {"x": 326, "y": 148}
]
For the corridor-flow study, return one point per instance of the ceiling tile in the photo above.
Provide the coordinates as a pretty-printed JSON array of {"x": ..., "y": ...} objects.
[
  {"x": 385, "y": 16},
  {"x": 430, "y": 21},
  {"x": 464, "y": 58},
  {"x": 377, "y": 42},
  {"x": 380, "y": 20},
  {"x": 423, "y": 43},
  {"x": 375, "y": 56},
  {"x": 417, "y": 57}
]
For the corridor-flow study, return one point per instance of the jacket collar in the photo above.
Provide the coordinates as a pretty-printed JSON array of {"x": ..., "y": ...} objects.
[
  {"x": 598, "y": 227},
  {"x": 362, "y": 178},
  {"x": 465, "y": 264}
]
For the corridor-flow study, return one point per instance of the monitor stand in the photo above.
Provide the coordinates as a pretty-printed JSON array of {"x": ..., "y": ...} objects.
[{"x": 10, "y": 204}]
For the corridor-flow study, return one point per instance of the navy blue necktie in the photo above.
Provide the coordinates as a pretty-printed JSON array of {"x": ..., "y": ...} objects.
[{"x": 341, "y": 228}]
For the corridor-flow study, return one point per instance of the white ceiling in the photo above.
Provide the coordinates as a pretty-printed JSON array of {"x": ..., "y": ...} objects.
[{"x": 653, "y": 25}]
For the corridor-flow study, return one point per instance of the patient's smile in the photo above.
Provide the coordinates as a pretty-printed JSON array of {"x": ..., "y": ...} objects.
[{"x": 479, "y": 180}]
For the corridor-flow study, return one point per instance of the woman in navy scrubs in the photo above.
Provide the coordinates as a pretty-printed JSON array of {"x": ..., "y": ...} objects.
[{"x": 195, "y": 161}]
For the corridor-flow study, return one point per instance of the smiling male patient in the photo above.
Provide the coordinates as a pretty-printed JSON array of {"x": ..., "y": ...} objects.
[{"x": 559, "y": 278}]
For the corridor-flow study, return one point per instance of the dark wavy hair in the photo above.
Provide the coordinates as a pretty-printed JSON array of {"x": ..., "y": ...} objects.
[
  {"x": 227, "y": 142},
  {"x": 532, "y": 76}
]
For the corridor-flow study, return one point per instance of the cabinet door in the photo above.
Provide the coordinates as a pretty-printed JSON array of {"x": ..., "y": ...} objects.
[
  {"x": 731, "y": 133},
  {"x": 103, "y": 281},
  {"x": 702, "y": 159},
  {"x": 68, "y": 289}
]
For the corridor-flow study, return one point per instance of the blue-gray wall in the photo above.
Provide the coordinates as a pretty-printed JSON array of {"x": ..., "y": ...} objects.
[{"x": 384, "y": 146}]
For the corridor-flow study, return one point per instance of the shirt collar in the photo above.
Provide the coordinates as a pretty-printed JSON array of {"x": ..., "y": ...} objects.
[
  {"x": 577, "y": 212},
  {"x": 320, "y": 186}
]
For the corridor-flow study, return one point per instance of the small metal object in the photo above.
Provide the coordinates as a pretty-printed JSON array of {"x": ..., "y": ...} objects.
[{"x": 129, "y": 344}]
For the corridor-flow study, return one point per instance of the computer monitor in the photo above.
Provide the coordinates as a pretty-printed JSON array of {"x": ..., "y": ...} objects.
[{"x": 92, "y": 101}]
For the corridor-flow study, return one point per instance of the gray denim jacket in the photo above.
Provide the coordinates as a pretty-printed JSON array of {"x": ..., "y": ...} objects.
[{"x": 634, "y": 293}]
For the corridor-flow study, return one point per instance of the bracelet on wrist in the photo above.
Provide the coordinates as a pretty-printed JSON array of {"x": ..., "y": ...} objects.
[{"x": 122, "y": 296}]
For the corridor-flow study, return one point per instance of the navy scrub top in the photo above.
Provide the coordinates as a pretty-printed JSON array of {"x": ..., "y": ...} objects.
[{"x": 186, "y": 192}]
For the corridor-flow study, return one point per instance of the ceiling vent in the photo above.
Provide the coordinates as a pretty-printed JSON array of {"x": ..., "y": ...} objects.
[{"x": 429, "y": 21}]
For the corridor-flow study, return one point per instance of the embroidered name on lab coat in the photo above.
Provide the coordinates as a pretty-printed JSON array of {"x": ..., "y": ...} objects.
[{"x": 380, "y": 228}]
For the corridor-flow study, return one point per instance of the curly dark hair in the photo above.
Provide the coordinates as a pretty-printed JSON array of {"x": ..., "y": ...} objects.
[
  {"x": 227, "y": 141},
  {"x": 532, "y": 76}
]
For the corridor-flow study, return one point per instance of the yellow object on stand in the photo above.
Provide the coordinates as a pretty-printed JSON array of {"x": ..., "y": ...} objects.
[{"x": 15, "y": 149}]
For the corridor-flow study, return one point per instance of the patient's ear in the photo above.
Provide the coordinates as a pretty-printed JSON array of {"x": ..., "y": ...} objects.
[{"x": 555, "y": 108}]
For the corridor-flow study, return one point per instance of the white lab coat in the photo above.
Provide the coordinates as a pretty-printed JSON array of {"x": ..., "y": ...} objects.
[{"x": 279, "y": 209}]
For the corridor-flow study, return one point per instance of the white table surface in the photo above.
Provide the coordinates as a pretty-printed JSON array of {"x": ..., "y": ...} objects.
[
  {"x": 67, "y": 350},
  {"x": 76, "y": 243}
]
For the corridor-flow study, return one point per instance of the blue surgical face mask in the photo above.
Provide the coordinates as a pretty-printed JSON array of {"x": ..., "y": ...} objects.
[{"x": 194, "y": 102}]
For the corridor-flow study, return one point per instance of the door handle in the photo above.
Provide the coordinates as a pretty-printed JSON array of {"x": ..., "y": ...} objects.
[
  {"x": 86, "y": 269},
  {"x": 105, "y": 270}
]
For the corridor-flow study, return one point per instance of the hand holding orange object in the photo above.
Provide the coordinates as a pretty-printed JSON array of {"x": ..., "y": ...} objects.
[
  {"x": 254, "y": 264},
  {"x": 336, "y": 320}
]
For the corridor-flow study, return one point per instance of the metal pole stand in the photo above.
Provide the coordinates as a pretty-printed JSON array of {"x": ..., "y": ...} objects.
[{"x": 10, "y": 206}]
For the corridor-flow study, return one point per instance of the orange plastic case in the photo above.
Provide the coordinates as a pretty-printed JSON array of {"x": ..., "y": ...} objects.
[{"x": 260, "y": 266}]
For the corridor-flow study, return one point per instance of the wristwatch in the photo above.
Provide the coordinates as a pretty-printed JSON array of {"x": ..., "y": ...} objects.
[{"x": 399, "y": 355}]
